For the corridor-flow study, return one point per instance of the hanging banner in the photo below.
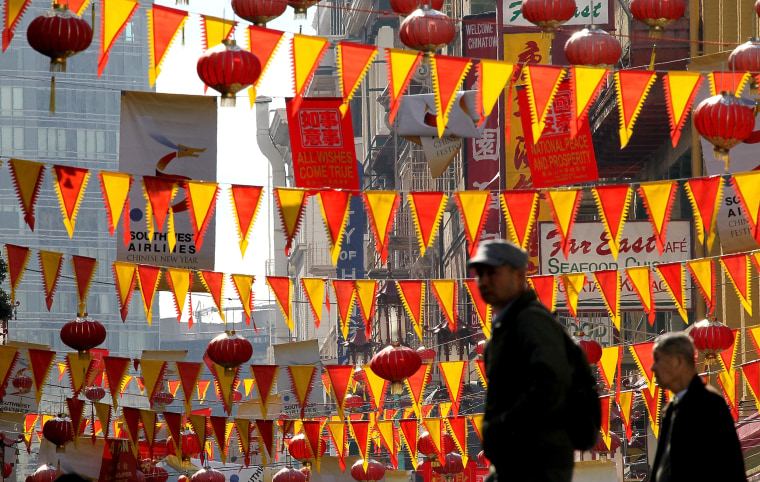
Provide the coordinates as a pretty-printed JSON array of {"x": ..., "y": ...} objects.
[
  {"x": 558, "y": 159},
  {"x": 322, "y": 144},
  {"x": 520, "y": 48},
  {"x": 481, "y": 40},
  {"x": 171, "y": 137},
  {"x": 590, "y": 251}
]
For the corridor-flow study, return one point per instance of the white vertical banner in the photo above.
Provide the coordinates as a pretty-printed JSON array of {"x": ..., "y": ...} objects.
[{"x": 171, "y": 137}]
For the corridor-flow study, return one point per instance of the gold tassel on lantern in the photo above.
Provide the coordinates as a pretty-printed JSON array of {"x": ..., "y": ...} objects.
[
  {"x": 92, "y": 22},
  {"x": 722, "y": 154},
  {"x": 654, "y": 55},
  {"x": 52, "y": 95}
]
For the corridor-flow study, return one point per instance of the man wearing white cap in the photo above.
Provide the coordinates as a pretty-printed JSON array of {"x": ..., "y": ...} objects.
[{"x": 528, "y": 373}]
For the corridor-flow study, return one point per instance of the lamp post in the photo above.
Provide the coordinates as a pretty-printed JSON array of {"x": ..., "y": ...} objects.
[{"x": 5, "y": 441}]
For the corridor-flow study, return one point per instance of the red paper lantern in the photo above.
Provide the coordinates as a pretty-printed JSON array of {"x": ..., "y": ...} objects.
[
  {"x": 548, "y": 14},
  {"x": 59, "y": 34},
  {"x": 483, "y": 460},
  {"x": 289, "y": 474},
  {"x": 725, "y": 120},
  {"x": 658, "y": 14},
  {"x": 405, "y": 7},
  {"x": 59, "y": 432},
  {"x": 426, "y": 446},
  {"x": 190, "y": 445},
  {"x": 451, "y": 465},
  {"x": 426, "y": 354},
  {"x": 237, "y": 397},
  {"x": 360, "y": 377},
  {"x": 95, "y": 393},
  {"x": 22, "y": 383},
  {"x": 711, "y": 337},
  {"x": 183, "y": 478},
  {"x": 601, "y": 446},
  {"x": 154, "y": 473},
  {"x": 82, "y": 334},
  {"x": 44, "y": 473},
  {"x": 7, "y": 469},
  {"x": 746, "y": 58},
  {"x": 208, "y": 475},
  {"x": 594, "y": 47},
  {"x": 163, "y": 398},
  {"x": 757, "y": 7},
  {"x": 374, "y": 471},
  {"x": 395, "y": 364},
  {"x": 259, "y": 12},
  {"x": 229, "y": 349},
  {"x": 300, "y": 7},
  {"x": 300, "y": 450},
  {"x": 427, "y": 30},
  {"x": 228, "y": 69},
  {"x": 353, "y": 402},
  {"x": 592, "y": 349}
]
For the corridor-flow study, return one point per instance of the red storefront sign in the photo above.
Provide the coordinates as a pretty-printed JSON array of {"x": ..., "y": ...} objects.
[
  {"x": 322, "y": 144},
  {"x": 557, "y": 159}
]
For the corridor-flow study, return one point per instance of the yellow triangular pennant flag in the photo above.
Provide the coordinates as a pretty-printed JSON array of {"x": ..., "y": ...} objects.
[
  {"x": 307, "y": 52},
  {"x": 214, "y": 30},
  {"x": 446, "y": 291},
  {"x": 573, "y": 283},
  {"x": 495, "y": 75},
  {"x": 314, "y": 289},
  {"x": 302, "y": 376},
  {"x": 114, "y": 18},
  {"x": 608, "y": 364},
  {"x": 586, "y": 82},
  {"x": 453, "y": 375},
  {"x": 78, "y": 366},
  {"x": 152, "y": 373},
  {"x": 473, "y": 206}
]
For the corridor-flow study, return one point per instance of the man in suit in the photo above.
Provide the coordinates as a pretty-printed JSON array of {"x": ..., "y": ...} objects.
[
  {"x": 528, "y": 373},
  {"x": 697, "y": 437}
]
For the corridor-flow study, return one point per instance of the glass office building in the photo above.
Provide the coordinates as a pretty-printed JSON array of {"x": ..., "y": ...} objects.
[{"x": 84, "y": 132}]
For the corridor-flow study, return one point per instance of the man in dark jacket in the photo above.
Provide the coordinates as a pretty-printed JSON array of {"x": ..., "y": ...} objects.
[
  {"x": 697, "y": 438},
  {"x": 527, "y": 370}
]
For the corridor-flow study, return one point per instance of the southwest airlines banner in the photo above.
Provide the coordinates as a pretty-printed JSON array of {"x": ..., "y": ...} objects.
[{"x": 171, "y": 137}]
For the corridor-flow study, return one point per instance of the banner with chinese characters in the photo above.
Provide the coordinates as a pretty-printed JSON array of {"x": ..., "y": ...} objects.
[
  {"x": 481, "y": 40},
  {"x": 168, "y": 139},
  {"x": 322, "y": 144},
  {"x": 521, "y": 48},
  {"x": 557, "y": 159}
]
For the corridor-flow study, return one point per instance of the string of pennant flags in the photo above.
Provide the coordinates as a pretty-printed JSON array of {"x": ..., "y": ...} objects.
[
  {"x": 645, "y": 282},
  {"x": 448, "y": 72},
  {"x": 519, "y": 207},
  {"x": 388, "y": 427}
]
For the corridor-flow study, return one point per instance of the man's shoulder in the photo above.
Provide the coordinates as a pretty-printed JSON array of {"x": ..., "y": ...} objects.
[{"x": 704, "y": 393}]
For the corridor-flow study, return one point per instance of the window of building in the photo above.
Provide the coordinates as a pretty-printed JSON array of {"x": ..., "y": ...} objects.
[
  {"x": 12, "y": 140},
  {"x": 11, "y": 98}
]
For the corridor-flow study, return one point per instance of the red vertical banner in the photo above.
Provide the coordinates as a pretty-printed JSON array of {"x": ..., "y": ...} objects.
[
  {"x": 558, "y": 159},
  {"x": 481, "y": 41},
  {"x": 322, "y": 144}
]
